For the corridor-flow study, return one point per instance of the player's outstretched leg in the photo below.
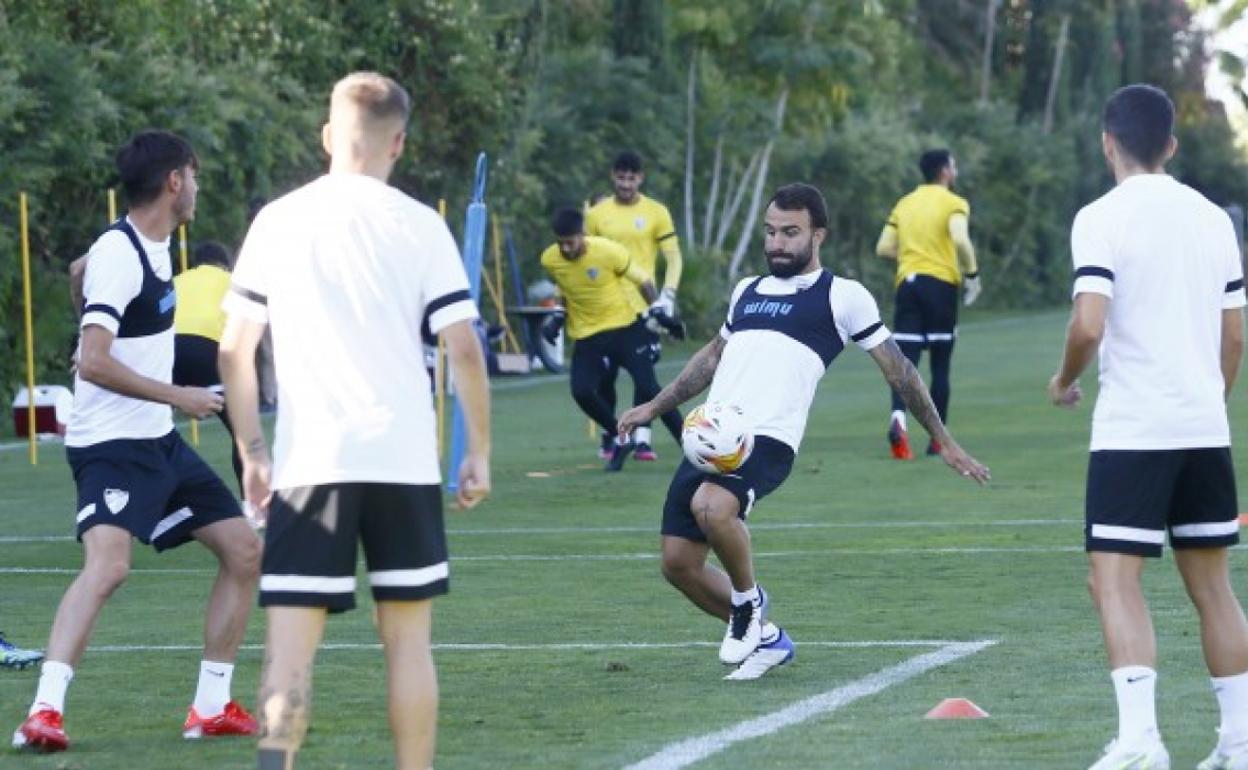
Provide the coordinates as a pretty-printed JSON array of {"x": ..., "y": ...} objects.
[
  {"x": 106, "y": 564},
  {"x": 715, "y": 510},
  {"x": 214, "y": 712}
]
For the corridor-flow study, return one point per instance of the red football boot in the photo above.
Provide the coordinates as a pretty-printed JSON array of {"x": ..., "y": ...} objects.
[
  {"x": 234, "y": 720},
  {"x": 898, "y": 442},
  {"x": 43, "y": 731}
]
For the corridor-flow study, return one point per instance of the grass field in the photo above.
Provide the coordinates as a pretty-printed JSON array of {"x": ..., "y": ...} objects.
[{"x": 561, "y": 646}]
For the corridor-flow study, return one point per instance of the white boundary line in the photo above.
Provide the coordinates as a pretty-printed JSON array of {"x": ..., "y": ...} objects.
[
  {"x": 558, "y": 646},
  {"x": 691, "y": 750},
  {"x": 778, "y": 526},
  {"x": 573, "y": 557}
]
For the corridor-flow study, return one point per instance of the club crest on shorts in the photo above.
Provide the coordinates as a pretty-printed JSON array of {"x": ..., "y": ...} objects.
[{"x": 116, "y": 499}]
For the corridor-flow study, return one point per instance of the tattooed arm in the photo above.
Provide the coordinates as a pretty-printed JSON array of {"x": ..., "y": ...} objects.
[
  {"x": 904, "y": 378},
  {"x": 692, "y": 380}
]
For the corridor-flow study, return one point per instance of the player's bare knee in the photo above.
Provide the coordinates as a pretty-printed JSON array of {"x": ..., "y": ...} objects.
[
  {"x": 107, "y": 575},
  {"x": 244, "y": 559}
]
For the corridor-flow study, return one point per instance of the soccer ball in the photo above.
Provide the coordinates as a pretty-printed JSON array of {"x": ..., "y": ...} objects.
[{"x": 716, "y": 438}]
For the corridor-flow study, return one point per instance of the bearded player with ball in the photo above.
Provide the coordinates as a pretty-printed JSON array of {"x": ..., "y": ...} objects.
[{"x": 782, "y": 332}]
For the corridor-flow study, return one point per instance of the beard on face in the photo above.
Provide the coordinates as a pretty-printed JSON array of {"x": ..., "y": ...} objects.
[{"x": 786, "y": 264}]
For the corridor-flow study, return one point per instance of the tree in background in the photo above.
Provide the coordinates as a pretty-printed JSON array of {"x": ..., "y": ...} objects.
[{"x": 724, "y": 98}]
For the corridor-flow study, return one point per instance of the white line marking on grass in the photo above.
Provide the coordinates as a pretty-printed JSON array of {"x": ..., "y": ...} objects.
[
  {"x": 648, "y": 556},
  {"x": 691, "y": 750},
  {"x": 557, "y": 646},
  {"x": 777, "y": 526}
]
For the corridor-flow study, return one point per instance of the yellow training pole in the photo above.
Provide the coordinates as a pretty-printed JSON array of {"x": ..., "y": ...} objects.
[
  {"x": 439, "y": 376},
  {"x": 30, "y": 331},
  {"x": 182, "y": 260},
  {"x": 112, "y": 205}
]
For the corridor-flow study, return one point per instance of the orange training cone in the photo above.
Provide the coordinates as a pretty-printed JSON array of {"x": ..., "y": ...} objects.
[{"x": 956, "y": 708}]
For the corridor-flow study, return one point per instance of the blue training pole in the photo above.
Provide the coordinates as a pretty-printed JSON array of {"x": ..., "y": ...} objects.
[
  {"x": 474, "y": 255},
  {"x": 515, "y": 282}
]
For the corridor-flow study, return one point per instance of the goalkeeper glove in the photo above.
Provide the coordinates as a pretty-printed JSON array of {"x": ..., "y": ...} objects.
[
  {"x": 552, "y": 326},
  {"x": 970, "y": 289},
  {"x": 673, "y": 326}
]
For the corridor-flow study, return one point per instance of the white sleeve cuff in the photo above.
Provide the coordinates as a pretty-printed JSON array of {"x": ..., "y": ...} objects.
[
  {"x": 1093, "y": 284},
  {"x": 725, "y": 332},
  {"x": 461, "y": 310},
  {"x": 872, "y": 336},
  {"x": 245, "y": 307},
  {"x": 1234, "y": 299},
  {"x": 106, "y": 319}
]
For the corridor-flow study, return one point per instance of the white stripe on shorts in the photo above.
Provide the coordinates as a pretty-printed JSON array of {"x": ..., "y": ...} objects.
[
  {"x": 1211, "y": 529},
  {"x": 408, "y": 578},
  {"x": 1130, "y": 534},
  {"x": 169, "y": 522},
  {"x": 307, "y": 584},
  {"x": 86, "y": 513},
  {"x": 940, "y": 337},
  {"x": 904, "y": 337}
]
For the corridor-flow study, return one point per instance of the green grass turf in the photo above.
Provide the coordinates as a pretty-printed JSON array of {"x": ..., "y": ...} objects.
[{"x": 854, "y": 548}]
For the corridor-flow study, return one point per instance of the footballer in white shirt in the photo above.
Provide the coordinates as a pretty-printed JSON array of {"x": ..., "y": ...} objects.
[
  {"x": 782, "y": 332},
  {"x": 1159, "y": 292}
]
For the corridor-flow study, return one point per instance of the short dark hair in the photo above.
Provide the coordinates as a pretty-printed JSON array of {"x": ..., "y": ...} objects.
[
  {"x": 932, "y": 162},
  {"x": 627, "y": 161},
  {"x": 144, "y": 162},
  {"x": 210, "y": 253},
  {"x": 1140, "y": 117},
  {"x": 800, "y": 196},
  {"x": 568, "y": 222}
]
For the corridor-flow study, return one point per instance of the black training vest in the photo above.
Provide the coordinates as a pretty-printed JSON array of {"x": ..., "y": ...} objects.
[
  {"x": 151, "y": 312},
  {"x": 805, "y": 316}
]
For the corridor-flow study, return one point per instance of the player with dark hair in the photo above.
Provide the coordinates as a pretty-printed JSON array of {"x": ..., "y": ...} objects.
[
  {"x": 136, "y": 478},
  {"x": 594, "y": 275},
  {"x": 928, "y": 234},
  {"x": 1159, "y": 293},
  {"x": 782, "y": 332},
  {"x": 644, "y": 227}
]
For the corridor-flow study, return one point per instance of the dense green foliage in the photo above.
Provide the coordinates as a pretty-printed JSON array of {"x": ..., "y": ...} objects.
[{"x": 843, "y": 94}]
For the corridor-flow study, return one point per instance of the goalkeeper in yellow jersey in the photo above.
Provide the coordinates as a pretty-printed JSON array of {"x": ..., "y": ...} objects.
[
  {"x": 644, "y": 227},
  {"x": 928, "y": 234}
]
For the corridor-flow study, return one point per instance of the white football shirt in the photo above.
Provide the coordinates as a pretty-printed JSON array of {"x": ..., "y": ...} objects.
[
  {"x": 771, "y": 370},
  {"x": 346, "y": 271},
  {"x": 1169, "y": 260},
  {"x": 115, "y": 277}
]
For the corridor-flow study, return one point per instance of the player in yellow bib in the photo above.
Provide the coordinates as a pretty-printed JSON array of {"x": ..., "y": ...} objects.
[
  {"x": 198, "y": 322},
  {"x": 596, "y": 278},
  {"x": 644, "y": 227},
  {"x": 928, "y": 234}
]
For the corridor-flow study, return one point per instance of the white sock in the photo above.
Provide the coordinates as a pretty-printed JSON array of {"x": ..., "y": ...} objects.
[
  {"x": 741, "y": 597},
  {"x": 1232, "y": 692},
  {"x": 53, "y": 682},
  {"x": 1136, "y": 688},
  {"x": 214, "y": 687},
  {"x": 899, "y": 417},
  {"x": 641, "y": 435}
]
